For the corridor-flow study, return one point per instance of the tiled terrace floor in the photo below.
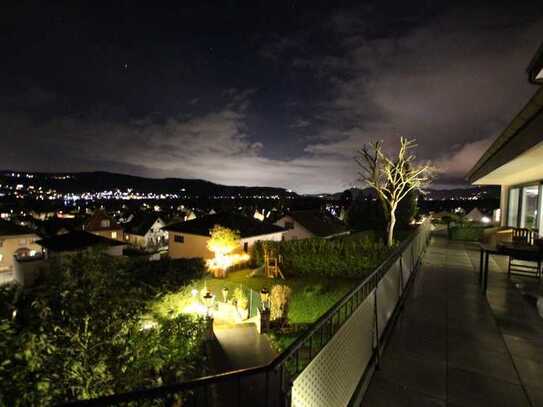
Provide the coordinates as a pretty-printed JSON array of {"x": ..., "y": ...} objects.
[{"x": 452, "y": 346}]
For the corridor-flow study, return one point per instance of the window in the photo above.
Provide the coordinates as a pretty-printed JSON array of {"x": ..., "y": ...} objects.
[
  {"x": 179, "y": 239},
  {"x": 512, "y": 210},
  {"x": 245, "y": 247},
  {"x": 114, "y": 235},
  {"x": 104, "y": 223},
  {"x": 1, "y": 257},
  {"x": 529, "y": 206},
  {"x": 289, "y": 225}
]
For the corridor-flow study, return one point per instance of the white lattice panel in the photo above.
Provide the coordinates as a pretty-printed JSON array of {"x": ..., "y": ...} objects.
[{"x": 331, "y": 378}]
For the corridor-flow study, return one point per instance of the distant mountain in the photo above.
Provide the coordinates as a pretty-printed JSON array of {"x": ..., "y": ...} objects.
[{"x": 81, "y": 182}]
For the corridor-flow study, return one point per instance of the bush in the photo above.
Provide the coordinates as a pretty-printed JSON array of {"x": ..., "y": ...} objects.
[
  {"x": 279, "y": 298},
  {"x": 466, "y": 232},
  {"x": 330, "y": 258}
]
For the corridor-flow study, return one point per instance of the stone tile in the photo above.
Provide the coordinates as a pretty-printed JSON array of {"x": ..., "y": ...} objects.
[
  {"x": 425, "y": 376},
  {"x": 493, "y": 364},
  {"x": 382, "y": 393},
  {"x": 472, "y": 389},
  {"x": 530, "y": 372},
  {"x": 525, "y": 348},
  {"x": 535, "y": 395}
]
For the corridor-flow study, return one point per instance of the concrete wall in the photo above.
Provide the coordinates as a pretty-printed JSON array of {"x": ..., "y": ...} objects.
[
  {"x": 196, "y": 246},
  {"x": 193, "y": 246},
  {"x": 10, "y": 244},
  {"x": 298, "y": 232}
]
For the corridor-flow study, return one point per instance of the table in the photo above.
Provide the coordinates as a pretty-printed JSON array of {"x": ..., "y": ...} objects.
[{"x": 505, "y": 248}]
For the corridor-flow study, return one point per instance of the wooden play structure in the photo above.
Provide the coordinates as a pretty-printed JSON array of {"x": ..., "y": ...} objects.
[{"x": 272, "y": 262}]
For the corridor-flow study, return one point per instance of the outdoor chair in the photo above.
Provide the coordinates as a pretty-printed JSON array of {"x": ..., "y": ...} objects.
[{"x": 524, "y": 264}]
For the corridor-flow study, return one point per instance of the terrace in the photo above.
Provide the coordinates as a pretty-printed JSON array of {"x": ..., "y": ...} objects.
[{"x": 453, "y": 346}]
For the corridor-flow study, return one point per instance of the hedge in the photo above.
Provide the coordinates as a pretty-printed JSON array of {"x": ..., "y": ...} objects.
[
  {"x": 326, "y": 258},
  {"x": 466, "y": 232}
]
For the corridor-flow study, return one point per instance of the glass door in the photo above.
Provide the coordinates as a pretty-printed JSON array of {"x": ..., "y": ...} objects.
[{"x": 529, "y": 218}]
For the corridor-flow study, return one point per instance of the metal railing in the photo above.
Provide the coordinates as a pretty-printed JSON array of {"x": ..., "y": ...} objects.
[{"x": 272, "y": 385}]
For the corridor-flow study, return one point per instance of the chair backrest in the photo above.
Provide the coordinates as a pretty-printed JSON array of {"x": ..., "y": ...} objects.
[{"x": 523, "y": 235}]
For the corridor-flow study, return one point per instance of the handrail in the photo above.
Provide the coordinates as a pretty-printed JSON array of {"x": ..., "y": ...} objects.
[{"x": 279, "y": 361}]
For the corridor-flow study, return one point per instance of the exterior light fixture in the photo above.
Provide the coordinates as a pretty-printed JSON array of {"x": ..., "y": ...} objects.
[
  {"x": 208, "y": 301},
  {"x": 265, "y": 297}
]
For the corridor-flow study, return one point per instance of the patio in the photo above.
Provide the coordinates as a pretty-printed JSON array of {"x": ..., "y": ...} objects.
[{"x": 451, "y": 346}]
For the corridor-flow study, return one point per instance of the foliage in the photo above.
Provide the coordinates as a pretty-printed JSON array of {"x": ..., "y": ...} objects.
[
  {"x": 240, "y": 299},
  {"x": 257, "y": 258},
  {"x": 330, "y": 258},
  {"x": 79, "y": 334},
  {"x": 392, "y": 178},
  {"x": 279, "y": 299},
  {"x": 466, "y": 232},
  {"x": 223, "y": 240}
]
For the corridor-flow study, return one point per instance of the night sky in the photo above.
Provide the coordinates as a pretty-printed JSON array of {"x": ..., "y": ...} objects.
[{"x": 264, "y": 92}]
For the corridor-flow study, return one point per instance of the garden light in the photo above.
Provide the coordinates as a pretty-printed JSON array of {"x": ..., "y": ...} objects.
[{"x": 265, "y": 297}]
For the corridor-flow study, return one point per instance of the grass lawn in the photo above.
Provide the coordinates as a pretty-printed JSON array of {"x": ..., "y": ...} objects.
[{"x": 311, "y": 297}]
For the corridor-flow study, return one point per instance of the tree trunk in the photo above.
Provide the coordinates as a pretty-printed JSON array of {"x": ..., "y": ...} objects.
[{"x": 391, "y": 224}]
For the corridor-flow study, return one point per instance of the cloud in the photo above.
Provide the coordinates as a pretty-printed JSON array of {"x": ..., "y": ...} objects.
[
  {"x": 300, "y": 124},
  {"x": 453, "y": 85}
]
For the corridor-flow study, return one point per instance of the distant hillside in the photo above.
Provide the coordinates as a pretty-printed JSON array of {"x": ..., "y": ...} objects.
[
  {"x": 469, "y": 193},
  {"x": 103, "y": 181}
]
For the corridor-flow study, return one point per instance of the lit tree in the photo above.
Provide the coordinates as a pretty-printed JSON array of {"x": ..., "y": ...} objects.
[
  {"x": 392, "y": 178},
  {"x": 222, "y": 242}
]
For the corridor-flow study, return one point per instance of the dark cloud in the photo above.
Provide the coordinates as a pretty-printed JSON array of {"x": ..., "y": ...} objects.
[{"x": 283, "y": 104}]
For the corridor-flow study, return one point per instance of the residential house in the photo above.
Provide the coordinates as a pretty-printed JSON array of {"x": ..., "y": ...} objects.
[
  {"x": 101, "y": 224},
  {"x": 515, "y": 161},
  {"x": 311, "y": 223},
  {"x": 189, "y": 239},
  {"x": 15, "y": 242},
  {"x": 145, "y": 231},
  {"x": 78, "y": 241}
]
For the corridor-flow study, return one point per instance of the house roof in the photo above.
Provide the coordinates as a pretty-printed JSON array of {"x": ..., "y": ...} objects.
[
  {"x": 94, "y": 224},
  {"x": 246, "y": 226},
  {"x": 12, "y": 229},
  {"x": 141, "y": 223},
  {"x": 319, "y": 223},
  {"x": 77, "y": 240},
  {"x": 524, "y": 132}
]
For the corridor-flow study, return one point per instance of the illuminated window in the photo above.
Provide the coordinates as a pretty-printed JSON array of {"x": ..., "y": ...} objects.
[
  {"x": 104, "y": 223},
  {"x": 529, "y": 206},
  {"x": 1, "y": 257},
  {"x": 114, "y": 235},
  {"x": 179, "y": 239}
]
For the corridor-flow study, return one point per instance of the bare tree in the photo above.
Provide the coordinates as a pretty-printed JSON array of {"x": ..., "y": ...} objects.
[{"x": 391, "y": 178}]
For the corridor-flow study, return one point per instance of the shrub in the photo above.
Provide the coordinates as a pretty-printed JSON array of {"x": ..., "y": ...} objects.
[
  {"x": 279, "y": 299},
  {"x": 240, "y": 299},
  {"x": 466, "y": 232},
  {"x": 330, "y": 258}
]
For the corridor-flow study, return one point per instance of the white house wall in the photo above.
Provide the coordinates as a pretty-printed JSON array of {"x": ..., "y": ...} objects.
[{"x": 298, "y": 232}]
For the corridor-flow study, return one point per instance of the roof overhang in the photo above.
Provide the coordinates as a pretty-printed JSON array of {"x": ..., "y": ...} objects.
[
  {"x": 535, "y": 69},
  {"x": 526, "y": 167},
  {"x": 514, "y": 148}
]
